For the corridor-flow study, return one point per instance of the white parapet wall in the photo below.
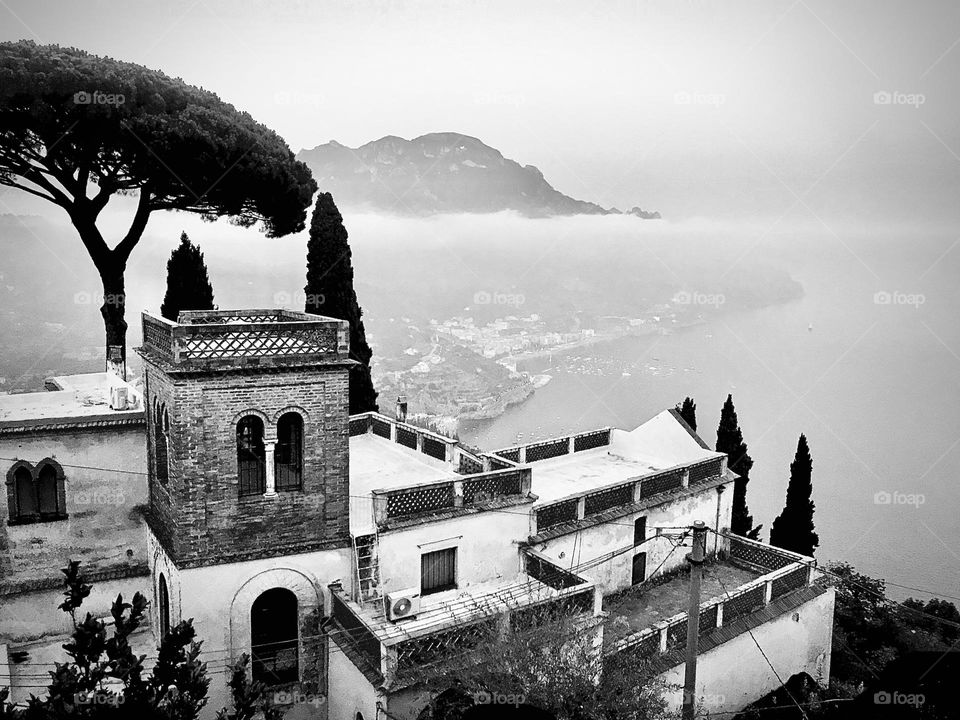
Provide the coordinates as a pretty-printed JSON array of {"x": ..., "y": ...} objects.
[{"x": 735, "y": 673}]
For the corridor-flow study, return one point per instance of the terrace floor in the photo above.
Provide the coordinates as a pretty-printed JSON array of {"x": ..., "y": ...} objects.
[
  {"x": 376, "y": 463},
  {"x": 639, "y": 608}
]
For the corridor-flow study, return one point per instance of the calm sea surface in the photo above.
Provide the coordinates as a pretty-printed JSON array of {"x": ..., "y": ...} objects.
[{"x": 875, "y": 386}]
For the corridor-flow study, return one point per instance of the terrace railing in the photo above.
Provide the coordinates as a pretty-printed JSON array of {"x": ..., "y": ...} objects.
[
  {"x": 244, "y": 337},
  {"x": 784, "y": 573},
  {"x": 555, "y": 447},
  {"x": 586, "y": 505}
]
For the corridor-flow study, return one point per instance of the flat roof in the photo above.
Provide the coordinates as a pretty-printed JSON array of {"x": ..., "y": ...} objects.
[
  {"x": 81, "y": 398},
  {"x": 658, "y": 444},
  {"x": 376, "y": 463},
  {"x": 642, "y": 607}
]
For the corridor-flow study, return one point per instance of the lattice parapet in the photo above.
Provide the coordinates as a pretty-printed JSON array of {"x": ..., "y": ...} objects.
[
  {"x": 490, "y": 486},
  {"x": 760, "y": 555},
  {"x": 419, "y": 500},
  {"x": 353, "y": 631},
  {"x": 605, "y": 499},
  {"x": 245, "y": 337},
  {"x": 706, "y": 471}
]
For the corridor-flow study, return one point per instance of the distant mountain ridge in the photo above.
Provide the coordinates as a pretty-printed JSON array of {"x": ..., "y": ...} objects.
[{"x": 439, "y": 173}]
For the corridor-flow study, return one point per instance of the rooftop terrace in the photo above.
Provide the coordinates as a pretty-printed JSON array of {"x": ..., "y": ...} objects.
[
  {"x": 70, "y": 400},
  {"x": 206, "y": 339},
  {"x": 753, "y": 582}
]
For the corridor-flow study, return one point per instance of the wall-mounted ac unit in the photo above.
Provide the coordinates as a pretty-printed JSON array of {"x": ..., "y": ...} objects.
[{"x": 403, "y": 604}]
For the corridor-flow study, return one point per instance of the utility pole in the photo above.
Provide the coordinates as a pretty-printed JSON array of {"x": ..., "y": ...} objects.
[{"x": 695, "y": 558}]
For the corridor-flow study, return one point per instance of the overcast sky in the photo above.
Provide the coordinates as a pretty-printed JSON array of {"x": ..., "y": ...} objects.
[{"x": 733, "y": 109}]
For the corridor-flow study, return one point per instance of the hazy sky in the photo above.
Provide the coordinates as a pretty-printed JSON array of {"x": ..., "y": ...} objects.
[{"x": 734, "y": 109}]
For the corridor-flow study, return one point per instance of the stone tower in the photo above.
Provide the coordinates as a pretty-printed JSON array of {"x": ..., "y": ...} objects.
[{"x": 248, "y": 443}]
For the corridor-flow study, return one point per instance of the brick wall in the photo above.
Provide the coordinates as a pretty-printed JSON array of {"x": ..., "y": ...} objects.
[{"x": 198, "y": 515}]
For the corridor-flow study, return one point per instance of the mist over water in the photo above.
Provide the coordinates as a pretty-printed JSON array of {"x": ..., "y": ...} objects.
[{"x": 845, "y": 334}]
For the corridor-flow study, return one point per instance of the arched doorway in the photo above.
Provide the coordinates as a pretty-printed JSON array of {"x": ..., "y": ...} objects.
[
  {"x": 274, "y": 636},
  {"x": 163, "y": 607}
]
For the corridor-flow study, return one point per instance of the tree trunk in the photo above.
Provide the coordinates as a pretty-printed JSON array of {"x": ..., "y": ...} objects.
[{"x": 112, "y": 310}]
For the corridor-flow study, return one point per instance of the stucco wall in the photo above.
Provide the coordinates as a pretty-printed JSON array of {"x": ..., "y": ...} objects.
[
  {"x": 219, "y": 598},
  {"x": 576, "y": 548},
  {"x": 104, "y": 522},
  {"x": 350, "y": 692},
  {"x": 485, "y": 542},
  {"x": 797, "y": 641}
]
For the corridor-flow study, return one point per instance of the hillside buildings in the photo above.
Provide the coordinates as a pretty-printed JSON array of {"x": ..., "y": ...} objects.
[{"x": 343, "y": 553}]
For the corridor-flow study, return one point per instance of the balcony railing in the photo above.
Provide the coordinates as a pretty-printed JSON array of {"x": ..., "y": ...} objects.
[
  {"x": 555, "y": 447},
  {"x": 784, "y": 573},
  {"x": 586, "y": 505},
  {"x": 245, "y": 337}
]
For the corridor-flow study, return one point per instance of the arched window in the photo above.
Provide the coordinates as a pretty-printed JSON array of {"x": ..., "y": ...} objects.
[
  {"x": 289, "y": 452},
  {"x": 275, "y": 638},
  {"x": 251, "y": 465},
  {"x": 163, "y": 606},
  {"x": 161, "y": 429},
  {"x": 36, "y": 494},
  {"x": 47, "y": 499},
  {"x": 27, "y": 508}
]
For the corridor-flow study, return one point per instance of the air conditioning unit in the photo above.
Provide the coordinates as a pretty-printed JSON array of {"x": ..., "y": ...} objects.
[
  {"x": 119, "y": 398},
  {"x": 403, "y": 604}
]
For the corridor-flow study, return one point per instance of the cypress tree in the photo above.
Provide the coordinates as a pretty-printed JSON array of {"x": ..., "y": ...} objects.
[
  {"x": 793, "y": 528},
  {"x": 688, "y": 411},
  {"x": 730, "y": 441},
  {"x": 188, "y": 285},
  {"x": 329, "y": 291}
]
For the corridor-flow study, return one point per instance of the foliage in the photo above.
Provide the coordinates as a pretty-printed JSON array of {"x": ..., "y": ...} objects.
[
  {"x": 688, "y": 411},
  {"x": 188, "y": 285},
  {"x": 793, "y": 528},
  {"x": 77, "y": 129},
  {"x": 548, "y": 659},
  {"x": 730, "y": 441},
  {"x": 329, "y": 291},
  {"x": 105, "y": 679}
]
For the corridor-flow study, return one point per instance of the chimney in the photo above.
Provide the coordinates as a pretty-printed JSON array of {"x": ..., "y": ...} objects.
[{"x": 401, "y": 408}]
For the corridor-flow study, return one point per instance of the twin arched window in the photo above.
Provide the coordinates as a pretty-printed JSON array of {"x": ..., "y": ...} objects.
[
  {"x": 36, "y": 494},
  {"x": 252, "y": 455}
]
